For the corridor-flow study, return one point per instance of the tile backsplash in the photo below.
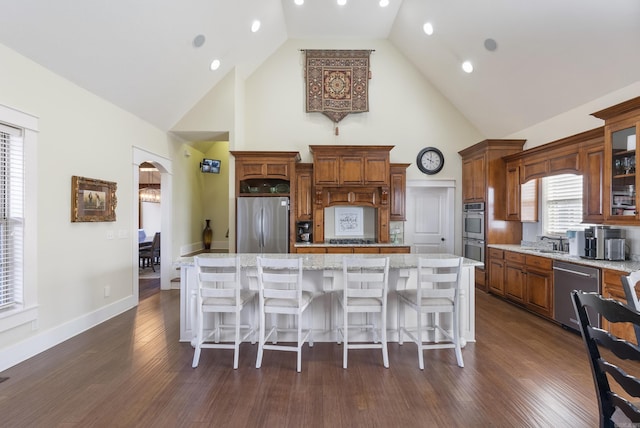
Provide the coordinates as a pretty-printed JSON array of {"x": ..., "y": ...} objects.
[{"x": 531, "y": 231}]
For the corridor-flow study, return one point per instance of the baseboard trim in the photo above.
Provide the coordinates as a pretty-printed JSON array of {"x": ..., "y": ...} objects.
[{"x": 34, "y": 345}]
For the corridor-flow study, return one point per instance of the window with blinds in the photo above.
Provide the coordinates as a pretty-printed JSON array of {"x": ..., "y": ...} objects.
[
  {"x": 12, "y": 182},
  {"x": 561, "y": 203}
]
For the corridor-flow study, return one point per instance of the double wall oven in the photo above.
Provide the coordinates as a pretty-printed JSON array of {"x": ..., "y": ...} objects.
[{"x": 473, "y": 231}]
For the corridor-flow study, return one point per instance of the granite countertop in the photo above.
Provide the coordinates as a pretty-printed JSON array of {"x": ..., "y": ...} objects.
[
  {"x": 625, "y": 266},
  {"x": 330, "y": 261},
  {"x": 327, "y": 244}
]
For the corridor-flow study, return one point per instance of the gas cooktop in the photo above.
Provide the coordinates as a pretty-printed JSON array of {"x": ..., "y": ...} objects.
[{"x": 352, "y": 241}]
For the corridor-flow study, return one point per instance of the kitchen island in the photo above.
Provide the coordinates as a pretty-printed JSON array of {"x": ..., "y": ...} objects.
[{"x": 322, "y": 275}]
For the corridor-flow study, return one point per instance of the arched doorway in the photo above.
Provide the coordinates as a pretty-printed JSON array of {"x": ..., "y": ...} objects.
[{"x": 164, "y": 167}]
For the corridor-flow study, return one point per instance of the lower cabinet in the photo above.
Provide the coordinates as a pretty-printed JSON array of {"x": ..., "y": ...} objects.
[
  {"x": 612, "y": 289},
  {"x": 496, "y": 271},
  {"x": 353, "y": 250},
  {"x": 523, "y": 279},
  {"x": 539, "y": 285},
  {"x": 514, "y": 282}
]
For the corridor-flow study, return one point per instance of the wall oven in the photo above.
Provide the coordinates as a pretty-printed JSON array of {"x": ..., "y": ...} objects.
[
  {"x": 473, "y": 249},
  {"x": 473, "y": 221}
]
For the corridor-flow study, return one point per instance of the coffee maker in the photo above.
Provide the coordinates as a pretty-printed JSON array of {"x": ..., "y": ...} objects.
[
  {"x": 303, "y": 231},
  {"x": 604, "y": 243}
]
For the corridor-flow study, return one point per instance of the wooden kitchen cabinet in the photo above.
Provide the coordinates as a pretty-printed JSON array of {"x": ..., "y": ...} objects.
[
  {"x": 483, "y": 180},
  {"x": 351, "y": 175},
  {"x": 528, "y": 281},
  {"x": 474, "y": 179},
  {"x": 612, "y": 289},
  {"x": 514, "y": 280},
  {"x": 304, "y": 195},
  {"x": 496, "y": 271},
  {"x": 405, "y": 249},
  {"x": 351, "y": 165},
  {"x": 260, "y": 173},
  {"x": 539, "y": 285},
  {"x": 592, "y": 159},
  {"x": 398, "y": 191},
  {"x": 513, "y": 190},
  {"x": 622, "y": 124},
  {"x": 556, "y": 160}
]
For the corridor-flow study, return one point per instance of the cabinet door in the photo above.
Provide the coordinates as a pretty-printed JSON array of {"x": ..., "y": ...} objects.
[
  {"x": 473, "y": 179},
  {"x": 304, "y": 207},
  {"x": 467, "y": 180},
  {"x": 513, "y": 191},
  {"x": 496, "y": 276},
  {"x": 592, "y": 183},
  {"x": 351, "y": 170},
  {"x": 325, "y": 170},
  {"x": 398, "y": 189},
  {"x": 620, "y": 173},
  {"x": 376, "y": 170},
  {"x": 514, "y": 284},
  {"x": 612, "y": 289},
  {"x": 538, "y": 291},
  {"x": 479, "y": 181}
]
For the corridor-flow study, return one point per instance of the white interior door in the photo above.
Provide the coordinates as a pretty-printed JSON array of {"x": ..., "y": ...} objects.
[{"x": 430, "y": 219}]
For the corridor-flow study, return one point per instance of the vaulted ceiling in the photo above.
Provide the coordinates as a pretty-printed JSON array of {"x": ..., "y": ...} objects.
[{"x": 550, "y": 55}]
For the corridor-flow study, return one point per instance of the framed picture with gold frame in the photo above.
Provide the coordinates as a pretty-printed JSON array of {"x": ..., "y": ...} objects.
[{"x": 92, "y": 200}]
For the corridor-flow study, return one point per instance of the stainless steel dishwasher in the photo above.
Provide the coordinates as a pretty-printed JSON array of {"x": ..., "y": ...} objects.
[{"x": 566, "y": 278}]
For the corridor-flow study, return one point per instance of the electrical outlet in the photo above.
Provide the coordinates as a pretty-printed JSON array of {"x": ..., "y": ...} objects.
[
  {"x": 107, "y": 290},
  {"x": 110, "y": 234}
]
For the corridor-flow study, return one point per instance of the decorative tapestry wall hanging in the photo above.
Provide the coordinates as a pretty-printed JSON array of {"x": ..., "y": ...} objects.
[{"x": 337, "y": 82}]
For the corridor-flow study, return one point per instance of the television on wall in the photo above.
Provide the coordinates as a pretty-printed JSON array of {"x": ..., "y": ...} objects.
[{"x": 210, "y": 166}]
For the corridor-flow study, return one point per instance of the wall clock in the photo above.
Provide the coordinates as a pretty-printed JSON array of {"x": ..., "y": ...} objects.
[{"x": 430, "y": 160}]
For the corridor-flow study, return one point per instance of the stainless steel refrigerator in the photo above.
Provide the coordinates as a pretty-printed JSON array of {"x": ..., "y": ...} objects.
[{"x": 263, "y": 225}]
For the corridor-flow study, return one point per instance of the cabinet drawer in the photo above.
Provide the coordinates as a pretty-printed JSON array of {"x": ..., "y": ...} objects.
[
  {"x": 495, "y": 253},
  {"x": 514, "y": 257},
  {"x": 539, "y": 262}
]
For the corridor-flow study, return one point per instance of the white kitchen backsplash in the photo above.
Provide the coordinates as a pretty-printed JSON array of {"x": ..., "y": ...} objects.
[{"x": 531, "y": 232}]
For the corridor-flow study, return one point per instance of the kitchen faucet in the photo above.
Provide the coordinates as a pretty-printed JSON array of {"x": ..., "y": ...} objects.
[{"x": 557, "y": 242}]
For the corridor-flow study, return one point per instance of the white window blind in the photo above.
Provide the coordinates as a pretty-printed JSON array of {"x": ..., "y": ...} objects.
[
  {"x": 11, "y": 216},
  {"x": 562, "y": 203}
]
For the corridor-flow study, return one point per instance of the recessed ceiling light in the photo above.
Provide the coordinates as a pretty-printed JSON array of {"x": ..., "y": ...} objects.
[
  {"x": 215, "y": 64},
  {"x": 490, "y": 45},
  {"x": 467, "y": 67},
  {"x": 428, "y": 28},
  {"x": 255, "y": 26},
  {"x": 299, "y": 2},
  {"x": 342, "y": 2},
  {"x": 384, "y": 3},
  {"x": 198, "y": 40}
]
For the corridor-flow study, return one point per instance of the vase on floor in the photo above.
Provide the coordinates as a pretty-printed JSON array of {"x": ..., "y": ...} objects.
[{"x": 207, "y": 236}]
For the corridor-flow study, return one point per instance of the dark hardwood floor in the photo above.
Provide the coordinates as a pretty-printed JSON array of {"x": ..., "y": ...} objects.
[{"x": 132, "y": 372}]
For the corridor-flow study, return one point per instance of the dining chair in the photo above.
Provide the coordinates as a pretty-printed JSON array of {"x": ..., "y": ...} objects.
[
  {"x": 437, "y": 292},
  {"x": 365, "y": 288},
  {"x": 281, "y": 296},
  {"x": 613, "y": 361},
  {"x": 220, "y": 293},
  {"x": 149, "y": 254}
]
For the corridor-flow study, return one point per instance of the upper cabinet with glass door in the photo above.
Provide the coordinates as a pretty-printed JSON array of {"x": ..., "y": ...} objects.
[{"x": 621, "y": 199}]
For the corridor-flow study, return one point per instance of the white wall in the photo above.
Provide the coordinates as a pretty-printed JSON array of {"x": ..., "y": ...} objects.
[{"x": 80, "y": 134}]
